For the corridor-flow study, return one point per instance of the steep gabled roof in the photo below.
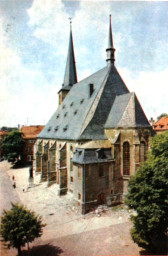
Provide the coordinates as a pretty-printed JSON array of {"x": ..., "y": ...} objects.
[
  {"x": 81, "y": 116},
  {"x": 126, "y": 113}
]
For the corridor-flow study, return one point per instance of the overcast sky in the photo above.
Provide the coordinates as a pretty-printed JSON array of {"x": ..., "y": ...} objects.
[{"x": 34, "y": 37}]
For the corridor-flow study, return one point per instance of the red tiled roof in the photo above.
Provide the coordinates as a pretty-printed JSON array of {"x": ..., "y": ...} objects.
[
  {"x": 3, "y": 133},
  {"x": 161, "y": 124},
  {"x": 31, "y": 132}
]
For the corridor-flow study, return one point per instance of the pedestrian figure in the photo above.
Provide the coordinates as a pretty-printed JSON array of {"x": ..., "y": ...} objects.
[
  {"x": 13, "y": 177},
  {"x": 23, "y": 188},
  {"x": 14, "y": 185}
]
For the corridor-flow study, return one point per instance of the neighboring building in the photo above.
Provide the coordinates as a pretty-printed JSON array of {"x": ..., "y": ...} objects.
[
  {"x": 161, "y": 125},
  {"x": 97, "y": 137},
  {"x": 29, "y": 134},
  {"x": 3, "y": 134}
]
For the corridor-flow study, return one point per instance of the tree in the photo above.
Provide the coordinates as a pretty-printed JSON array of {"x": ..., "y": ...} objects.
[
  {"x": 20, "y": 226},
  {"x": 12, "y": 146},
  {"x": 148, "y": 196},
  {"x": 162, "y": 115}
]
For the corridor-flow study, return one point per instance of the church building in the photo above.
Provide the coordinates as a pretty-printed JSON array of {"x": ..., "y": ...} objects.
[{"x": 97, "y": 137}]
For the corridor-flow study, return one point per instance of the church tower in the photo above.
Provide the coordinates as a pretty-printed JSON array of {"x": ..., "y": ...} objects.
[{"x": 70, "y": 76}]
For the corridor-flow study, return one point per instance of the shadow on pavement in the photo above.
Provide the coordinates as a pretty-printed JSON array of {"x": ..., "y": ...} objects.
[
  {"x": 20, "y": 164},
  {"x": 160, "y": 253},
  {"x": 43, "y": 250}
]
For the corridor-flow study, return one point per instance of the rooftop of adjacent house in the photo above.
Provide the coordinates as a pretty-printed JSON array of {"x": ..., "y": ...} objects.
[
  {"x": 31, "y": 132},
  {"x": 161, "y": 124},
  {"x": 3, "y": 133}
]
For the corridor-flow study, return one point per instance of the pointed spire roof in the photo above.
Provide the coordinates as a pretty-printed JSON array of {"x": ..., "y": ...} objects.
[
  {"x": 70, "y": 76},
  {"x": 110, "y": 50}
]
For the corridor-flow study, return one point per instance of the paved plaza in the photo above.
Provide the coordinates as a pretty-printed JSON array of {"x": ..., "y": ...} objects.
[{"x": 67, "y": 231}]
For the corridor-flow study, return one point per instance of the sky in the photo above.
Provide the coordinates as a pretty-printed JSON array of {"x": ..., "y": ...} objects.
[{"x": 34, "y": 36}]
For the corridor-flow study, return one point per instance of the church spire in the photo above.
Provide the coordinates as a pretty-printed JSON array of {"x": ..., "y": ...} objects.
[
  {"x": 70, "y": 77},
  {"x": 110, "y": 50}
]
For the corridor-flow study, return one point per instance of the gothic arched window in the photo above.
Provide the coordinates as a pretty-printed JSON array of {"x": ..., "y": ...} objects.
[
  {"x": 126, "y": 158},
  {"x": 142, "y": 151}
]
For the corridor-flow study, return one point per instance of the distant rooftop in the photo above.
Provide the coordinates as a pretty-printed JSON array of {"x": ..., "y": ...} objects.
[
  {"x": 161, "y": 124},
  {"x": 2, "y": 133},
  {"x": 30, "y": 132}
]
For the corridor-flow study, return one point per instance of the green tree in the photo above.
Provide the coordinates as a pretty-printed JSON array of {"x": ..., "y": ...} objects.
[
  {"x": 12, "y": 145},
  {"x": 148, "y": 196},
  {"x": 20, "y": 226},
  {"x": 162, "y": 115}
]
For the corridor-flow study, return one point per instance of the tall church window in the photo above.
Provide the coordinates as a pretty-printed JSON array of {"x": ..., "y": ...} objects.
[
  {"x": 126, "y": 158},
  {"x": 142, "y": 151}
]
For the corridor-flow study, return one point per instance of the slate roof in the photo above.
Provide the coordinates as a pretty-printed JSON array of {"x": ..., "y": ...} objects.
[
  {"x": 90, "y": 156},
  {"x": 126, "y": 113},
  {"x": 84, "y": 115},
  {"x": 81, "y": 116}
]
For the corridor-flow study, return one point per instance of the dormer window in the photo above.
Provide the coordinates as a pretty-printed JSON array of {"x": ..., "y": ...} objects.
[
  {"x": 56, "y": 128},
  {"x": 65, "y": 128},
  {"x": 63, "y": 106},
  {"x": 49, "y": 129},
  {"x": 65, "y": 114},
  {"x": 100, "y": 154},
  {"x": 75, "y": 112},
  {"x": 57, "y": 116},
  {"x": 91, "y": 89},
  {"x": 80, "y": 152},
  {"x": 81, "y": 101},
  {"x": 71, "y": 104}
]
